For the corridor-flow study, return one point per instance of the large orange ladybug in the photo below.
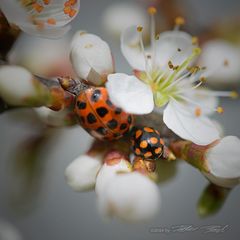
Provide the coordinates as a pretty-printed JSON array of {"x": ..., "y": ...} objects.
[{"x": 98, "y": 116}]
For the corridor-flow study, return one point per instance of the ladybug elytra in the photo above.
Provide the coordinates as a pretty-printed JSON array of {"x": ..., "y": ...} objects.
[
  {"x": 99, "y": 116},
  {"x": 147, "y": 143}
]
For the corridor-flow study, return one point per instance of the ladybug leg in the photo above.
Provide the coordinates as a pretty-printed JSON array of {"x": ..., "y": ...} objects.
[{"x": 168, "y": 154}]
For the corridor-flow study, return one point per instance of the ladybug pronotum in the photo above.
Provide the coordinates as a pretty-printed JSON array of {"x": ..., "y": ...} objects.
[
  {"x": 147, "y": 143},
  {"x": 99, "y": 116}
]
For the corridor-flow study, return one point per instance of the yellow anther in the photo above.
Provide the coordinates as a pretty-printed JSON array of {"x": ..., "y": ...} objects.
[
  {"x": 179, "y": 21},
  {"x": 193, "y": 69},
  {"x": 37, "y": 7},
  {"x": 170, "y": 65},
  {"x": 198, "y": 112},
  {"x": 220, "y": 110},
  {"x": 139, "y": 28},
  {"x": 175, "y": 67},
  {"x": 194, "y": 40},
  {"x": 51, "y": 21},
  {"x": 197, "y": 51},
  {"x": 152, "y": 10},
  {"x": 203, "y": 79},
  {"x": 89, "y": 45},
  {"x": 157, "y": 36},
  {"x": 82, "y": 33},
  {"x": 226, "y": 63},
  {"x": 72, "y": 13},
  {"x": 234, "y": 94}
]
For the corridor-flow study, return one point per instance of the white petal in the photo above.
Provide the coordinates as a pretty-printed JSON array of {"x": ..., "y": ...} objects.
[
  {"x": 130, "y": 46},
  {"x": 88, "y": 52},
  {"x": 121, "y": 15},
  {"x": 45, "y": 20},
  {"x": 207, "y": 103},
  {"x": 56, "y": 32},
  {"x": 130, "y": 94},
  {"x": 175, "y": 46},
  {"x": 223, "y": 159},
  {"x": 214, "y": 54},
  {"x": 222, "y": 182},
  {"x": 108, "y": 172},
  {"x": 17, "y": 85},
  {"x": 81, "y": 173},
  {"x": 13, "y": 11},
  {"x": 130, "y": 197},
  {"x": 199, "y": 130}
]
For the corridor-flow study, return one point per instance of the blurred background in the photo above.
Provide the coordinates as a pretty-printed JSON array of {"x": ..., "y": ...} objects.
[{"x": 35, "y": 201}]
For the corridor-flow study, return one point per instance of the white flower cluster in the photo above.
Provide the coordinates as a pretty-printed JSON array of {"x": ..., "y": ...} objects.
[{"x": 121, "y": 192}]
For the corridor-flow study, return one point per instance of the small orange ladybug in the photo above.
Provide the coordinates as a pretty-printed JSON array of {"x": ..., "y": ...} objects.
[
  {"x": 147, "y": 143},
  {"x": 98, "y": 116}
]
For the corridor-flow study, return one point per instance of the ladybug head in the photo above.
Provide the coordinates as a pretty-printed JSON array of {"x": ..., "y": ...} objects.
[{"x": 72, "y": 85}]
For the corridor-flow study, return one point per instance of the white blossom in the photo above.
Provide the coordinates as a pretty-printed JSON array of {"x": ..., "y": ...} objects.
[
  {"x": 166, "y": 68},
  {"x": 47, "y": 18}
]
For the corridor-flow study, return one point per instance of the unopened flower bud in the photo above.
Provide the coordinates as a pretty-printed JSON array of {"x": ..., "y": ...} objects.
[
  {"x": 130, "y": 197},
  {"x": 91, "y": 57},
  {"x": 211, "y": 200},
  {"x": 19, "y": 88},
  {"x": 219, "y": 161},
  {"x": 81, "y": 173}
]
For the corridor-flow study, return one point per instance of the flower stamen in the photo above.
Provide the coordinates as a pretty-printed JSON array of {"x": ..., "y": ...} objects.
[
  {"x": 198, "y": 111},
  {"x": 220, "y": 110},
  {"x": 152, "y": 11},
  {"x": 146, "y": 57}
]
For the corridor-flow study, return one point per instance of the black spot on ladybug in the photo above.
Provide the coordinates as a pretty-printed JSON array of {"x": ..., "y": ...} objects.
[
  {"x": 109, "y": 103},
  {"x": 118, "y": 111},
  {"x": 81, "y": 105},
  {"x": 102, "y": 131},
  {"x": 102, "y": 111},
  {"x": 96, "y": 95},
  {"x": 123, "y": 126},
  {"x": 129, "y": 119},
  {"x": 112, "y": 124},
  {"x": 91, "y": 118}
]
